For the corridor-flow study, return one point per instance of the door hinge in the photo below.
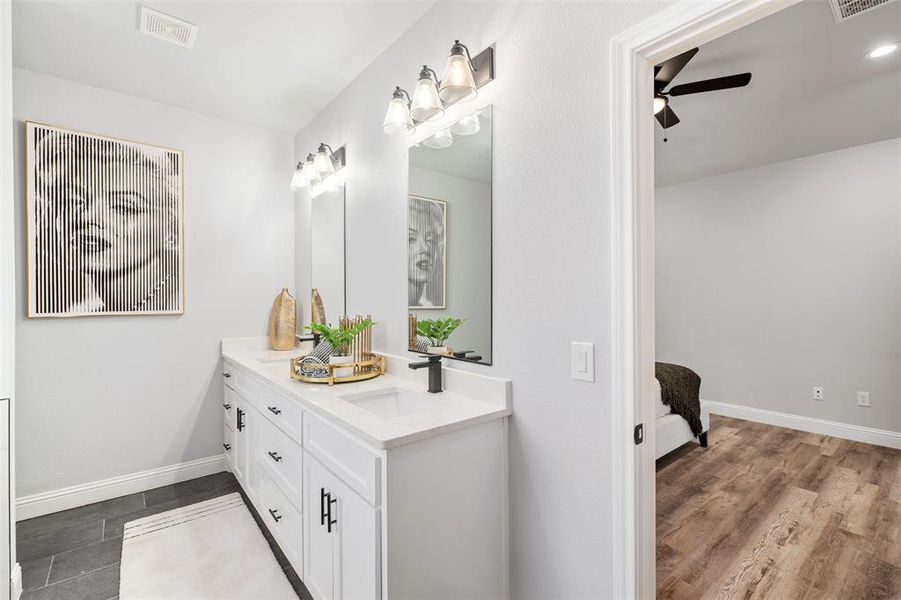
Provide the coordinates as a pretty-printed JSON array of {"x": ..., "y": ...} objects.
[{"x": 639, "y": 433}]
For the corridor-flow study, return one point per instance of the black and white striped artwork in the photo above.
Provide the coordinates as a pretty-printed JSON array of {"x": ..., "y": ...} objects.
[
  {"x": 105, "y": 225},
  {"x": 426, "y": 252}
]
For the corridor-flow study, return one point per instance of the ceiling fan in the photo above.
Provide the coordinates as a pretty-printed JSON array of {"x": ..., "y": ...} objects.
[{"x": 665, "y": 72}]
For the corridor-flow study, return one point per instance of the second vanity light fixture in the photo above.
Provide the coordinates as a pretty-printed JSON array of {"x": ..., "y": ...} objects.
[
  {"x": 463, "y": 76},
  {"x": 317, "y": 172}
]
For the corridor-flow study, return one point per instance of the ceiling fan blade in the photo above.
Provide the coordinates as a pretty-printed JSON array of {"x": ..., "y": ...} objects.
[
  {"x": 666, "y": 71},
  {"x": 666, "y": 117},
  {"x": 710, "y": 85}
]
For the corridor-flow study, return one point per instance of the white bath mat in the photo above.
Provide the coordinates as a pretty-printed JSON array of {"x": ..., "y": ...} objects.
[{"x": 212, "y": 550}]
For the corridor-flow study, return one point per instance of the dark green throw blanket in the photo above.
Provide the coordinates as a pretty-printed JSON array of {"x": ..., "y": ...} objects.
[{"x": 681, "y": 392}]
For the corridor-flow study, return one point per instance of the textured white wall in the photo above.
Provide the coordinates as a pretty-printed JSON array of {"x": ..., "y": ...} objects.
[
  {"x": 107, "y": 396},
  {"x": 551, "y": 254},
  {"x": 773, "y": 280},
  {"x": 468, "y": 255}
]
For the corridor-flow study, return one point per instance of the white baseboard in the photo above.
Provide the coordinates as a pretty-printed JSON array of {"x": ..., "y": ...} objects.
[
  {"x": 45, "y": 503},
  {"x": 879, "y": 437},
  {"x": 15, "y": 583}
]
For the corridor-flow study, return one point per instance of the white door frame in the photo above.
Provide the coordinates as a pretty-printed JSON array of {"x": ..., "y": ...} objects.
[{"x": 633, "y": 54}]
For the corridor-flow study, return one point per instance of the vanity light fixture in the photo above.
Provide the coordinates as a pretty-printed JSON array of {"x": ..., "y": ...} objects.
[
  {"x": 318, "y": 171},
  {"x": 463, "y": 76},
  {"x": 426, "y": 104},
  {"x": 458, "y": 83},
  {"x": 467, "y": 126},
  {"x": 398, "y": 121},
  {"x": 442, "y": 139}
]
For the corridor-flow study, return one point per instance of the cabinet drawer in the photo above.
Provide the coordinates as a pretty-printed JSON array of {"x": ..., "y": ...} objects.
[
  {"x": 283, "y": 412},
  {"x": 229, "y": 407},
  {"x": 358, "y": 467},
  {"x": 282, "y": 519},
  {"x": 283, "y": 458}
]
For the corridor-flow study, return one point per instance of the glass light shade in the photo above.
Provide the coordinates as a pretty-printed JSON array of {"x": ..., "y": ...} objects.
[
  {"x": 458, "y": 83},
  {"x": 659, "y": 104},
  {"x": 442, "y": 139},
  {"x": 310, "y": 174},
  {"x": 426, "y": 103},
  {"x": 297, "y": 180},
  {"x": 323, "y": 163},
  {"x": 398, "y": 121},
  {"x": 467, "y": 126}
]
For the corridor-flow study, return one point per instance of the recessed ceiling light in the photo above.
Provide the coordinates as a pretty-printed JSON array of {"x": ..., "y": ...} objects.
[{"x": 883, "y": 50}]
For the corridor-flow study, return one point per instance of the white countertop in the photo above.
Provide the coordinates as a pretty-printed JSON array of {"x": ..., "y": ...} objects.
[{"x": 469, "y": 398}]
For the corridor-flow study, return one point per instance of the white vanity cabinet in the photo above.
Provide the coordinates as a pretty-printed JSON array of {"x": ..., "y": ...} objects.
[{"x": 366, "y": 520}]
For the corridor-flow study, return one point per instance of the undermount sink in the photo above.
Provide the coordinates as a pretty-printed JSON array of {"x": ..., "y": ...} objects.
[{"x": 390, "y": 403}]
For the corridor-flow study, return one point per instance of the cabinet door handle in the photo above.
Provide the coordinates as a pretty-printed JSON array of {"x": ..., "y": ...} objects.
[
  {"x": 240, "y": 419},
  {"x": 226, "y": 375},
  {"x": 275, "y": 515},
  {"x": 274, "y": 410},
  {"x": 330, "y": 520},
  {"x": 227, "y": 447},
  {"x": 322, "y": 506},
  {"x": 227, "y": 406},
  {"x": 274, "y": 456}
]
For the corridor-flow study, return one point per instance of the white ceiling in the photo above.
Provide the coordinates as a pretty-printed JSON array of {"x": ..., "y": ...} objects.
[
  {"x": 271, "y": 64},
  {"x": 813, "y": 91}
]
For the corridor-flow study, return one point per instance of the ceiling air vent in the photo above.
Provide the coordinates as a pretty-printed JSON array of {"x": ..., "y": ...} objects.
[
  {"x": 845, "y": 9},
  {"x": 166, "y": 28}
]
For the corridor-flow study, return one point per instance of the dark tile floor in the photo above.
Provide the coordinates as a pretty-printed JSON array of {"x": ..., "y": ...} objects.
[{"x": 74, "y": 554}]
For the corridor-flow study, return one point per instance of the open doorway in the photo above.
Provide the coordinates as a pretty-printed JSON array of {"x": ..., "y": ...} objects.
[{"x": 832, "y": 459}]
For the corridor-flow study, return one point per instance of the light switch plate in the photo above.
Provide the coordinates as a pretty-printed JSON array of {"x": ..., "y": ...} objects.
[{"x": 582, "y": 361}]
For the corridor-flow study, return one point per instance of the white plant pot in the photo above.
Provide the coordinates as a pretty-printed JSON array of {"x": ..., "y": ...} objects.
[
  {"x": 343, "y": 371},
  {"x": 437, "y": 349}
]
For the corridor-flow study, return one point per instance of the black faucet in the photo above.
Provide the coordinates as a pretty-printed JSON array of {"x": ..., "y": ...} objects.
[{"x": 434, "y": 365}]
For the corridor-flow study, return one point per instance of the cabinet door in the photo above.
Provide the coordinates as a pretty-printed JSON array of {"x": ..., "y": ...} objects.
[
  {"x": 357, "y": 565},
  {"x": 319, "y": 551}
]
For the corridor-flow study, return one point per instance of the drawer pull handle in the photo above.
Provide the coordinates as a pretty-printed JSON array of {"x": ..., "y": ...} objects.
[
  {"x": 274, "y": 410},
  {"x": 322, "y": 506},
  {"x": 226, "y": 375},
  {"x": 227, "y": 447},
  {"x": 274, "y": 456},
  {"x": 330, "y": 520},
  {"x": 240, "y": 423},
  {"x": 277, "y": 517},
  {"x": 227, "y": 406}
]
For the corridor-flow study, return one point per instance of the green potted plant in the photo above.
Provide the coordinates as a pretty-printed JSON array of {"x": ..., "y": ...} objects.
[
  {"x": 340, "y": 339},
  {"x": 438, "y": 331}
]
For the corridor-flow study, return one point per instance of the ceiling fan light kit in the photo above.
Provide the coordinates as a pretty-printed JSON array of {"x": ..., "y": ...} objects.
[{"x": 665, "y": 72}]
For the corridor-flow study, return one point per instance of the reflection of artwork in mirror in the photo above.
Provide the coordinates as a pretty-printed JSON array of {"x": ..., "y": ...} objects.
[{"x": 426, "y": 251}]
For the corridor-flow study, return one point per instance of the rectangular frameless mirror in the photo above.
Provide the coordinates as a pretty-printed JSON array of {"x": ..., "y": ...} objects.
[
  {"x": 327, "y": 251},
  {"x": 449, "y": 241}
]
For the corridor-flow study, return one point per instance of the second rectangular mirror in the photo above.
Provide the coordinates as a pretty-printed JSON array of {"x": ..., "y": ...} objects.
[
  {"x": 327, "y": 251},
  {"x": 449, "y": 241}
]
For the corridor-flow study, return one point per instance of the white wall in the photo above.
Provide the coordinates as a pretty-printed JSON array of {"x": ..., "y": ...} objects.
[
  {"x": 773, "y": 280},
  {"x": 106, "y": 396},
  {"x": 551, "y": 255},
  {"x": 327, "y": 260},
  {"x": 468, "y": 255},
  {"x": 7, "y": 302}
]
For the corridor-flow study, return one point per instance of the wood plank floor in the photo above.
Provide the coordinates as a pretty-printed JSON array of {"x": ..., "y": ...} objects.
[{"x": 767, "y": 512}]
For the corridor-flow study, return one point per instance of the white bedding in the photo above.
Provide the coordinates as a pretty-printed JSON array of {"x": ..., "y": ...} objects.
[{"x": 671, "y": 430}]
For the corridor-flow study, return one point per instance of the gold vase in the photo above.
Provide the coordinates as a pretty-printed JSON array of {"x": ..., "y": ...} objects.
[{"x": 283, "y": 321}]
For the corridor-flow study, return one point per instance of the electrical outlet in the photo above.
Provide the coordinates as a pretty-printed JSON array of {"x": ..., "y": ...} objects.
[
  {"x": 817, "y": 393},
  {"x": 863, "y": 399}
]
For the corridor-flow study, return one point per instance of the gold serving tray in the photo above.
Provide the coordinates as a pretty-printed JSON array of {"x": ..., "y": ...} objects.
[{"x": 367, "y": 368}]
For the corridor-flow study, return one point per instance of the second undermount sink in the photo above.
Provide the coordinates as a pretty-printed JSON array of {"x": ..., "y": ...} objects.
[{"x": 390, "y": 403}]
